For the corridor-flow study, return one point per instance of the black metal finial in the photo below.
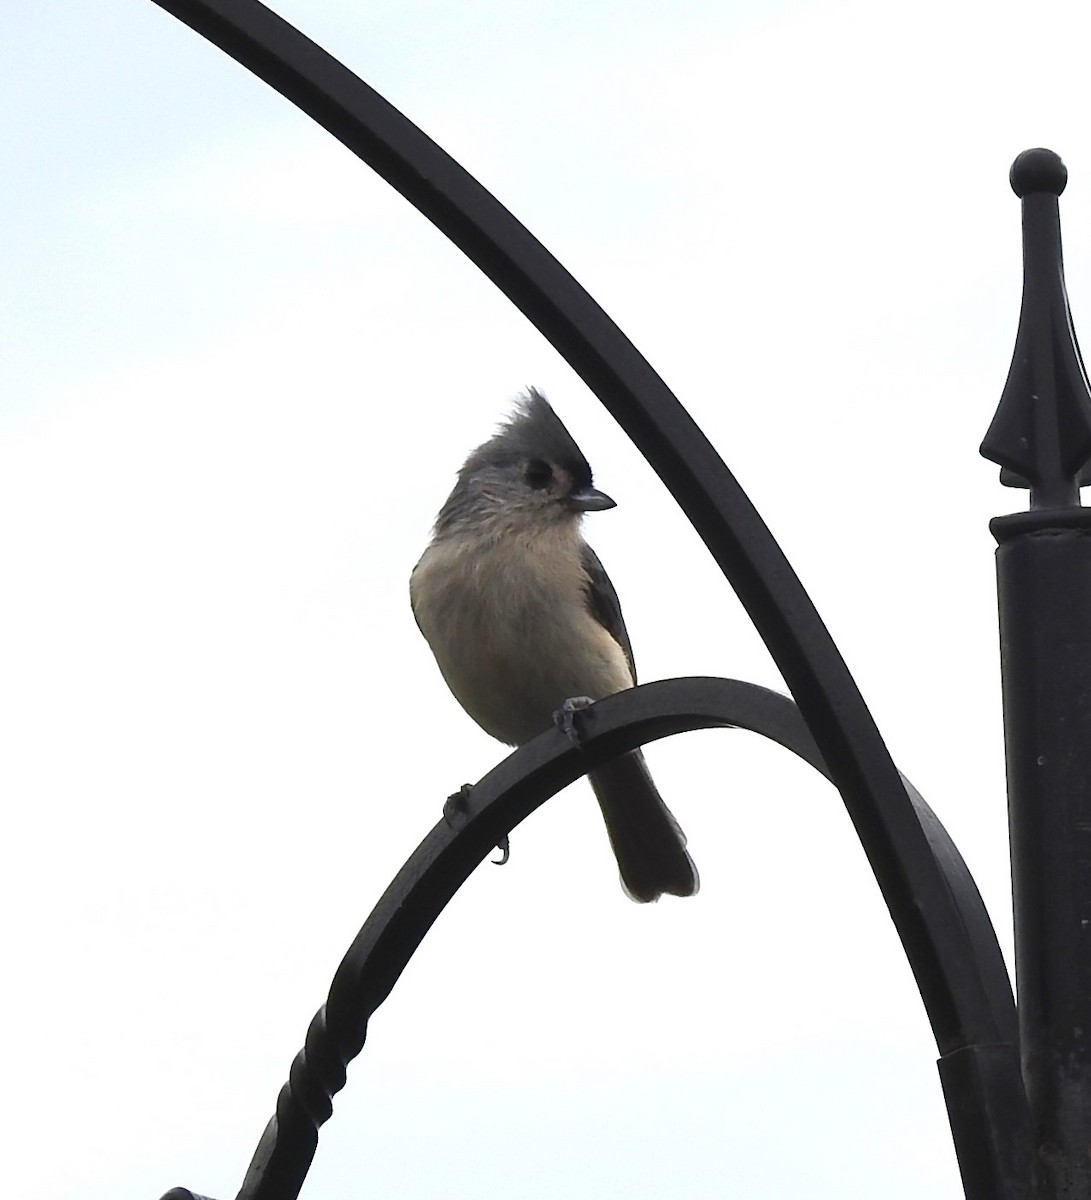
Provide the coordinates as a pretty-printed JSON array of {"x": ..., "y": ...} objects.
[
  {"x": 1041, "y": 434},
  {"x": 1038, "y": 170}
]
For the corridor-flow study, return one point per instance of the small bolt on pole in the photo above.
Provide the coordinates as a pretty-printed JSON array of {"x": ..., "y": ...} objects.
[{"x": 1041, "y": 437}]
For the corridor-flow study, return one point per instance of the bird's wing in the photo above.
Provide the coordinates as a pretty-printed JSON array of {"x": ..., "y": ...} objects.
[{"x": 603, "y": 604}]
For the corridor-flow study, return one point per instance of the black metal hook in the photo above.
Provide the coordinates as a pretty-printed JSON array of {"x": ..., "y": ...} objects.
[{"x": 979, "y": 1058}]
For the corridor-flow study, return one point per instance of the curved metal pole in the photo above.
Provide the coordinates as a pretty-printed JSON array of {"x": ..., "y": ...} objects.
[
  {"x": 966, "y": 994},
  {"x": 492, "y": 808},
  {"x": 965, "y": 999}
]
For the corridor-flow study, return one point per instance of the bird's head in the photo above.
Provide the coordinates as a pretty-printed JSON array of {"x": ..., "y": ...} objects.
[{"x": 530, "y": 474}]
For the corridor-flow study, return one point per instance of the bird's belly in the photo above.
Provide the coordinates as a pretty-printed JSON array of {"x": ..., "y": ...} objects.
[
  {"x": 517, "y": 686},
  {"x": 513, "y": 656}
]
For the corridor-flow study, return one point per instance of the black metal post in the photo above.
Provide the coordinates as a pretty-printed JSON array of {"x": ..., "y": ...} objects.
[
  {"x": 1041, "y": 436},
  {"x": 1044, "y": 578}
]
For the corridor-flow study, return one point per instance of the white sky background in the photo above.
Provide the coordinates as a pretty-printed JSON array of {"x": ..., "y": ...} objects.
[{"x": 237, "y": 375}]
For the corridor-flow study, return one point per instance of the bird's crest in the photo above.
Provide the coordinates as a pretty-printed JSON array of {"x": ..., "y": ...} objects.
[{"x": 532, "y": 431}]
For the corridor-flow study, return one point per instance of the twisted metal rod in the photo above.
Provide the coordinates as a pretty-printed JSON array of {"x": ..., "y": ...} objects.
[{"x": 457, "y": 845}]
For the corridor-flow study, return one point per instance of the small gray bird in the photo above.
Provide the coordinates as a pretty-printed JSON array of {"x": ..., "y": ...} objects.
[{"x": 521, "y": 617}]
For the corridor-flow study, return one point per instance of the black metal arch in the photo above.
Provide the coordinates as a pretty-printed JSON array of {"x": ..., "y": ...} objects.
[
  {"x": 506, "y": 796},
  {"x": 949, "y": 942}
]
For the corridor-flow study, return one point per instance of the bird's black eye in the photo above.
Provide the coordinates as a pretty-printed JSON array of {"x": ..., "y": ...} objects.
[{"x": 538, "y": 473}]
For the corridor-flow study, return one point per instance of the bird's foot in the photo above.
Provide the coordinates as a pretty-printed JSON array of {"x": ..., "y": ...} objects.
[
  {"x": 457, "y": 805},
  {"x": 454, "y": 811},
  {"x": 569, "y": 717}
]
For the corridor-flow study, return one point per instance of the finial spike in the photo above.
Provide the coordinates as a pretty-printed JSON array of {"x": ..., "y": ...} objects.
[{"x": 1041, "y": 434}]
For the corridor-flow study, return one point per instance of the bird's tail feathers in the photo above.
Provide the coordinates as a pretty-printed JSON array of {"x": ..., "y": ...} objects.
[{"x": 648, "y": 842}]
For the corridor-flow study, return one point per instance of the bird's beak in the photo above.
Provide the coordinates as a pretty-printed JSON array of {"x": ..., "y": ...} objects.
[{"x": 590, "y": 500}]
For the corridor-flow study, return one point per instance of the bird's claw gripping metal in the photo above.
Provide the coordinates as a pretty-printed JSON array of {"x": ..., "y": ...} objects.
[
  {"x": 454, "y": 810},
  {"x": 570, "y": 716}
]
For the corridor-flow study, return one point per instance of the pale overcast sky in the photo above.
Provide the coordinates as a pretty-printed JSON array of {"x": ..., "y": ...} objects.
[{"x": 238, "y": 373}]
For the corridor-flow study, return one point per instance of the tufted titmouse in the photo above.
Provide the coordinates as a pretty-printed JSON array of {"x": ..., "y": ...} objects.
[{"x": 521, "y": 617}]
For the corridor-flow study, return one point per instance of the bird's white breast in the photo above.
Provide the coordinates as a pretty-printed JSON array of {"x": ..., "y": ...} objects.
[{"x": 507, "y": 620}]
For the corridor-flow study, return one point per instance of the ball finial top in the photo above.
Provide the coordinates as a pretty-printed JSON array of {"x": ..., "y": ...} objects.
[{"x": 1038, "y": 171}]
